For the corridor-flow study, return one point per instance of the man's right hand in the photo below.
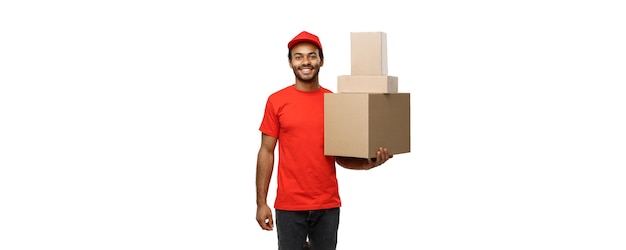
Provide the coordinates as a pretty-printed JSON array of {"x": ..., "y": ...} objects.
[{"x": 264, "y": 217}]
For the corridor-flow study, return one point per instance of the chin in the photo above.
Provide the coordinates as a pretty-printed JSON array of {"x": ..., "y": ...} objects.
[{"x": 307, "y": 79}]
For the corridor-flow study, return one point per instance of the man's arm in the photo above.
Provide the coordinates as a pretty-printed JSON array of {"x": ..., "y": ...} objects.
[
  {"x": 264, "y": 169},
  {"x": 364, "y": 163}
]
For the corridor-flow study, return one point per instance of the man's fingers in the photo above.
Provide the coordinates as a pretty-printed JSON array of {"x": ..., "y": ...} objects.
[{"x": 268, "y": 224}]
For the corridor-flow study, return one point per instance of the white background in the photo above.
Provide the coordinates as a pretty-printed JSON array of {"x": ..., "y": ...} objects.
[{"x": 134, "y": 124}]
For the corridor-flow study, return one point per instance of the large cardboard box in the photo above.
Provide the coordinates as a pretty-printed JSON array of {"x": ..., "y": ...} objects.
[
  {"x": 367, "y": 84},
  {"x": 368, "y": 53},
  {"x": 357, "y": 124}
]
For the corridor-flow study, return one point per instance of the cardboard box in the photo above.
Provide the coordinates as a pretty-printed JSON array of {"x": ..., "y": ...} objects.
[
  {"x": 368, "y": 53},
  {"x": 357, "y": 124},
  {"x": 367, "y": 84}
]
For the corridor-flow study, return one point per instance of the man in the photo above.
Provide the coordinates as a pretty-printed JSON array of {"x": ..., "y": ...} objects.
[{"x": 307, "y": 199}]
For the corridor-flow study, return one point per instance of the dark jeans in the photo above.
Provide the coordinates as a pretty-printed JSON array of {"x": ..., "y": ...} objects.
[{"x": 320, "y": 226}]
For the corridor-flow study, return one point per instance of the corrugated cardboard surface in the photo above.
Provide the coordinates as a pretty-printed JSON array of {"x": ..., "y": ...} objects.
[
  {"x": 367, "y": 84},
  {"x": 356, "y": 124},
  {"x": 368, "y": 53}
]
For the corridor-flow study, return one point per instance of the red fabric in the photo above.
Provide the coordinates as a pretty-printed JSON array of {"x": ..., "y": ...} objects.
[
  {"x": 306, "y": 178},
  {"x": 305, "y": 37}
]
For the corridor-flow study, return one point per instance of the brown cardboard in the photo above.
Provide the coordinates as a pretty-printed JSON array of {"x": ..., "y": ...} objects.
[
  {"x": 357, "y": 124},
  {"x": 367, "y": 84},
  {"x": 368, "y": 53}
]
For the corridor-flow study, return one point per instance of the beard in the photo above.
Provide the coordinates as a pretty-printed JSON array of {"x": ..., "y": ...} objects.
[{"x": 306, "y": 78}]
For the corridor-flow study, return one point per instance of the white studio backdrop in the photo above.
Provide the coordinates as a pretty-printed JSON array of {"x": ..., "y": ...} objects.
[{"x": 134, "y": 124}]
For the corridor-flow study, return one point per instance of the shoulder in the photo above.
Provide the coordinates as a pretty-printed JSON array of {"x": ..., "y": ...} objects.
[
  {"x": 282, "y": 92},
  {"x": 325, "y": 90}
]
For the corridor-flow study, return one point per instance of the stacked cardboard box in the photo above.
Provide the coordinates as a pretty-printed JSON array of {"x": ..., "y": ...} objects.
[{"x": 367, "y": 112}]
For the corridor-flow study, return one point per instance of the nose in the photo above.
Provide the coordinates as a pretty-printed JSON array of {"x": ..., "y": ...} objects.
[{"x": 306, "y": 61}]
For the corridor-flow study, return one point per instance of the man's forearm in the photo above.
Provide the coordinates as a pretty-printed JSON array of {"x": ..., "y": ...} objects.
[
  {"x": 352, "y": 163},
  {"x": 263, "y": 176}
]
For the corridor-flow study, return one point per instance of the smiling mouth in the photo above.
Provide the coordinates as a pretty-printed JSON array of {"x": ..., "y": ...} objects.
[{"x": 306, "y": 70}]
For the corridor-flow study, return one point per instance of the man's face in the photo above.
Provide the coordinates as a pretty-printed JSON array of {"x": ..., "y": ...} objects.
[{"x": 305, "y": 61}]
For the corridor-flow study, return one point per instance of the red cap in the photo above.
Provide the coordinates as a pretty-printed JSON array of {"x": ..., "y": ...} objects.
[{"x": 305, "y": 37}]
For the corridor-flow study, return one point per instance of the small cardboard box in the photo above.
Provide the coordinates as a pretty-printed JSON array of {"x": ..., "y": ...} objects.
[
  {"x": 368, "y": 53},
  {"x": 367, "y": 84},
  {"x": 357, "y": 124}
]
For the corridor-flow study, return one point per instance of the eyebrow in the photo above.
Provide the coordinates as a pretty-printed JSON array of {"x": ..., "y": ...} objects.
[{"x": 297, "y": 53}]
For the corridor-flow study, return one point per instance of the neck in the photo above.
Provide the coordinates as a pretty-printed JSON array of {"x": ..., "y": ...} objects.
[{"x": 312, "y": 85}]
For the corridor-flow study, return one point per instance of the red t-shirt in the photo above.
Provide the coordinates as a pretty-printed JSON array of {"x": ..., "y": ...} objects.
[{"x": 306, "y": 177}]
